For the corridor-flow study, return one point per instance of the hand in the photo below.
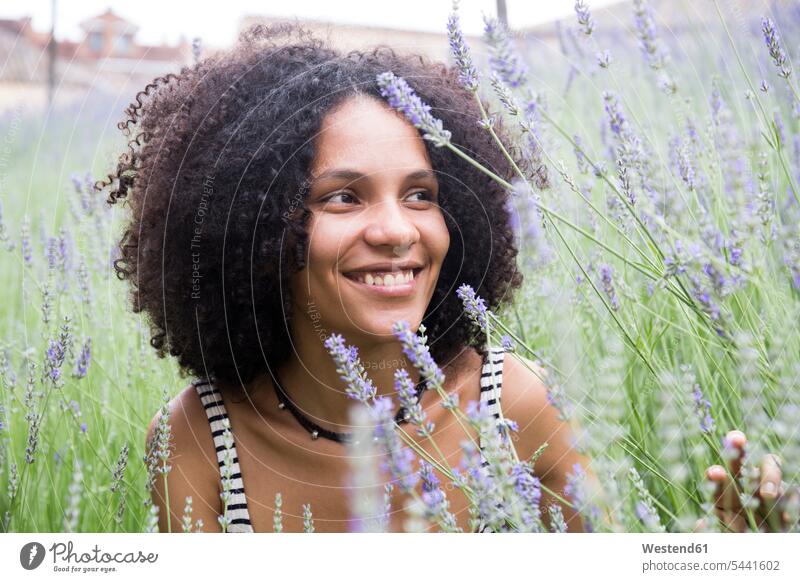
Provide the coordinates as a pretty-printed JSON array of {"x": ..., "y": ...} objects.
[{"x": 770, "y": 491}]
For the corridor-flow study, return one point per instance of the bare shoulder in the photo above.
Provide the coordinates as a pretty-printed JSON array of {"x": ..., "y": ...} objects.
[
  {"x": 524, "y": 400},
  {"x": 193, "y": 467},
  {"x": 187, "y": 420}
]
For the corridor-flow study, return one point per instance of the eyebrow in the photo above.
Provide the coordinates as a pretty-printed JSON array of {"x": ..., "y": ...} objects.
[{"x": 353, "y": 175}]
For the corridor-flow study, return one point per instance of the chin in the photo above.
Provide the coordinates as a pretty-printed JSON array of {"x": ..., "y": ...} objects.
[{"x": 379, "y": 329}]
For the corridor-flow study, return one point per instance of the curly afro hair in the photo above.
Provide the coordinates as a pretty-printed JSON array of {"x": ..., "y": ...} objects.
[{"x": 215, "y": 172}]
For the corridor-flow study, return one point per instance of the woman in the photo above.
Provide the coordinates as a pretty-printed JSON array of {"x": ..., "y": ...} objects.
[{"x": 276, "y": 199}]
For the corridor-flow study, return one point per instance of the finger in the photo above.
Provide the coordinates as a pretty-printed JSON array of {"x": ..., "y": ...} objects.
[
  {"x": 725, "y": 496},
  {"x": 770, "y": 490},
  {"x": 791, "y": 511},
  {"x": 770, "y": 481},
  {"x": 736, "y": 440}
]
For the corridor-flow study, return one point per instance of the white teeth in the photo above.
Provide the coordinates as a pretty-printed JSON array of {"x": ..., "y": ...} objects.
[{"x": 387, "y": 279}]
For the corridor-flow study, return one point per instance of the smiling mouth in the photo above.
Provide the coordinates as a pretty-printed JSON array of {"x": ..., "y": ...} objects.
[{"x": 385, "y": 279}]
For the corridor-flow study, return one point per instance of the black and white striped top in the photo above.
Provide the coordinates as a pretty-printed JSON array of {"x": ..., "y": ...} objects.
[{"x": 211, "y": 398}]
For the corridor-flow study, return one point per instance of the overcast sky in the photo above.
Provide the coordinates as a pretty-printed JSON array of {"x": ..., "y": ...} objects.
[{"x": 217, "y": 22}]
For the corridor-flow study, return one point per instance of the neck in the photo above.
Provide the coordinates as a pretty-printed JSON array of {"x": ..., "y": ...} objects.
[{"x": 310, "y": 381}]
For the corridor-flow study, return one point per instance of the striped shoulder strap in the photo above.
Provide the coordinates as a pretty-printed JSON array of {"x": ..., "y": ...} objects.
[
  {"x": 211, "y": 398},
  {"x": 492, "y": 385}
]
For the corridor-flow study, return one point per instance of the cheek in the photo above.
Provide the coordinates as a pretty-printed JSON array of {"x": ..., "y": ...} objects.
[
  {"x": 438, "y": 238},
  {"x": 327, "y": 240}
]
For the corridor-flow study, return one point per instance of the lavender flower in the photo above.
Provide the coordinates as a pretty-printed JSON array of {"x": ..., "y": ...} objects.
[
  {"x": 603, "y": 59},
  {"x": 151, "y": 525},
  {"x": 504, "y": 60},
  {"x": 119, "y": 469},
  {"x": 364, "y": 498},
  {"x": 82, "y": 363},
  {"x": 408, "y": 399},
  {"x": 186, "y": 521},
  {"x": 529, "y": 491},
  {"x": 645, "y": 26},
  {"x": 645, "y": 505},
  {"x": 557, "y": 523},
  {"x": 467, "y": 74},
  {"x": 34, "y": 423},
  {"x": 308, "y": 521},
  {"x": 54, "y": 358},
  {"x": 25, "y": 241},
  {"x": 584, "y": 17},
  {"x": 399, "y": 458},
  {"x": 76, "y": 487},
  {"x": 487, "y": 501},
  {"x": 686, "y": 167},
  {"x": 576, "y": 489},
  {"x": 703, "y": 409},
  {"x": 772, "y": 40},
  {"x": 415, "y": 349},
  {"x": 402, "y": 97},
  {"x": 606, "y": 277},
  {"x": 435, "y": 500},
  {"x": 507, "y": 343},
  {"x": 277, "y": 516},
  {"x": 158, "y": 449},
  {"x": 474, "y": 306},
  {"x": 349, "y": 368}
]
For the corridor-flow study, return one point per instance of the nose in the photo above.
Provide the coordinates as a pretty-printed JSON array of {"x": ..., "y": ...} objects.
[{"x": 389, "y": 224}]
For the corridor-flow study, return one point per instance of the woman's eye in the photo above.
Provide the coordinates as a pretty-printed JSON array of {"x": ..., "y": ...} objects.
[
  {"x": 428, "y": 197},
  {"x": 345, "y": 196}
]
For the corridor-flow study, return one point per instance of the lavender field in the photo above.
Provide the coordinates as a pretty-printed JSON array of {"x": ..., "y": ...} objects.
[{"x": 658, "y": 215}]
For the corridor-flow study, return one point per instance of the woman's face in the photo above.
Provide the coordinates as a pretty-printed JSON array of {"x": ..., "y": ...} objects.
[{"x": 377, "y": 238}]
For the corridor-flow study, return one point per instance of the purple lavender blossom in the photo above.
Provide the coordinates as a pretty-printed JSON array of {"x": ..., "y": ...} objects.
[
  {"x": 434, "y": 498},
  {"x": 507, "y": 343},
  {"x": 486, "y": 492},
  {"x": 645, "y": 26},
  {"x": 576, "y": 489},
  {"x": 703, "y": 409},
  {"x": 399, "y": 461},
  {"x": 414, "y": 347},
  {"x": 467, "y": 74},
  {"x": 580, "y": 158},
  {"x": 603, "y": 59},
  {"x": 56, "y": 353},
  {"x": 686, "y": 167},
  {"x": 529, "y": 490},
  {"x": 606, "y": 277},
  {"x": 709, "y": 306},
  {"x": 85, "y": 357},
  {"x": 504, "y": 60},
  {"x": 772, "y": 40},
  {"x": 407, "y": 394},
  {"x": 584, "y": 17},
  {"x": 359, "y": 387},
  {"x": 629, "y": 151},
  {"x": 474, "y": 306},
  {"x": 25, "y": 241},
  {"x": 400, "y": 96}
]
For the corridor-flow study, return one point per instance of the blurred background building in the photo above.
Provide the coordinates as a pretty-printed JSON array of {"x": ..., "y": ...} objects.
[{"x": 105, "y": 53}]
